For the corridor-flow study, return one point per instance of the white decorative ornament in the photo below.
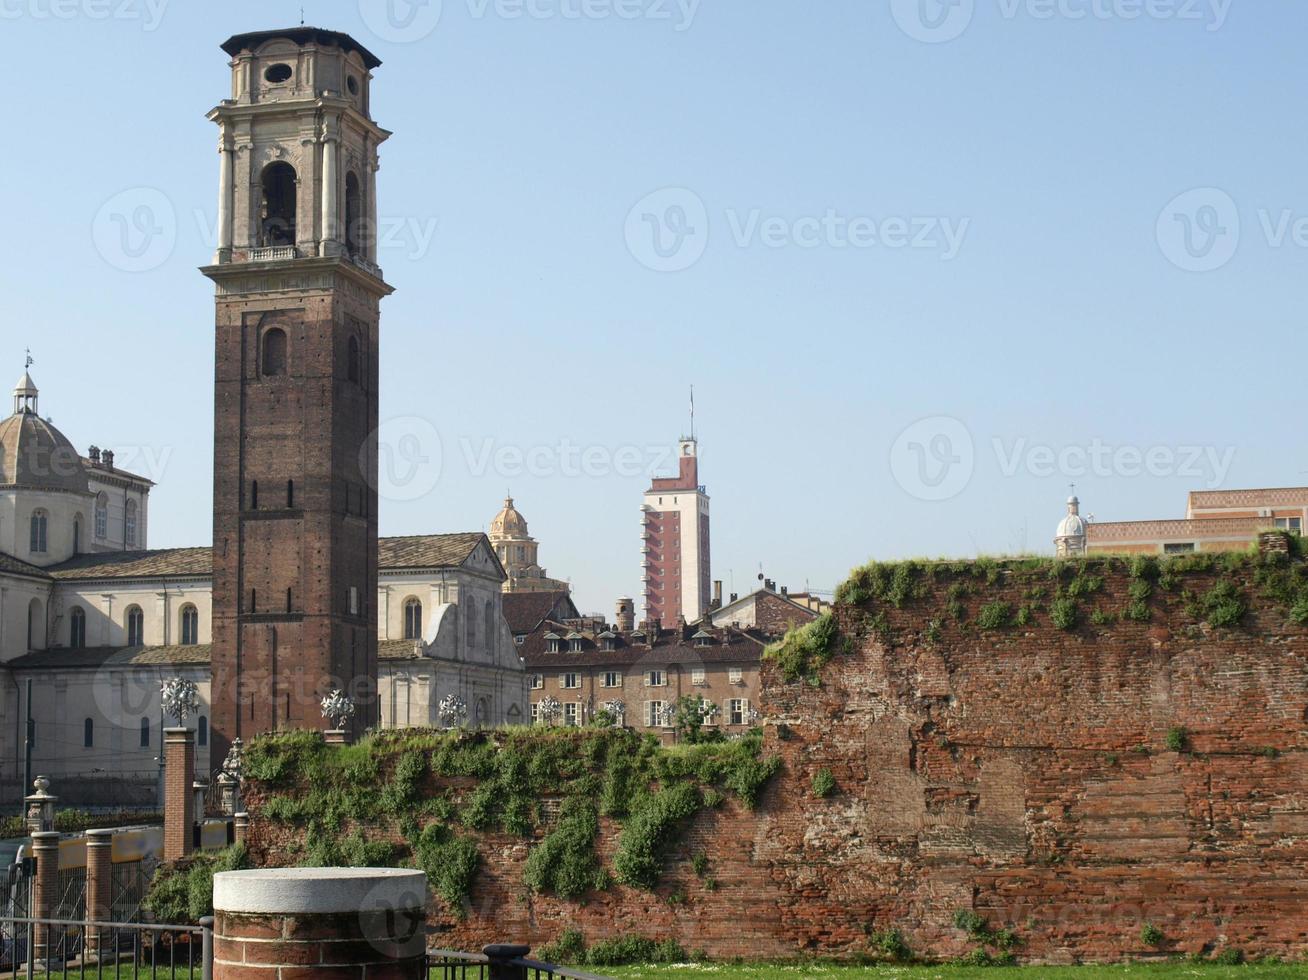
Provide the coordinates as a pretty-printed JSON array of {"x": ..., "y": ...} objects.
[
  {"x": 618, "y": 709},
  {"x": 180, "y": 698},
  {"x": 337, "y": 708},
  {"x": 548, "y": 709},
  {"x": 707, "y": 710},
  {"x": 451, "y": 711}
]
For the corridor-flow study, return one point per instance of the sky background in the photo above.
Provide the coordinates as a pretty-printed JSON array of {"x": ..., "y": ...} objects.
[{"x": 840, "y": 388}]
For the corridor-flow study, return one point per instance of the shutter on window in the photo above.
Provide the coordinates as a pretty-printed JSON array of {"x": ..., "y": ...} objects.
[{"x": 644, "y": 715}]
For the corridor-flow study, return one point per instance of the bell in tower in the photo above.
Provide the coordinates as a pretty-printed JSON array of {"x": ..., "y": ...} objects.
[{"x": 298, "y": 295}]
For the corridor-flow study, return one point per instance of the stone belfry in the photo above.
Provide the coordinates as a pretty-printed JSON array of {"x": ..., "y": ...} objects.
[{"x": 295, "y": 401}]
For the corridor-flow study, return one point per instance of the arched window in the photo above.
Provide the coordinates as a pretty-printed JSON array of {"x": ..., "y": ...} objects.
[
  {"x": 290, "y": 494},
  {"x": 202, "y": 731},
  {"x": 145, "y": 733},
  {"x": 88, "y": 734},
  {"x": 35, "y": 625},
  {"x": 77, "y": 534},
  {"x": 129, "y": 524},
  {"x": 353, "y": 369},
  {"x": 274, "y": 353},
  {"x": 277, "y": 209},
  {"x": 190, "y": 625},
  {"x": 135, "y": 622},
  {"x": 412, "y": 619},
  {"x": 77, "y": 627},
  {"x": 40, "y": 522},
  {"x": 353, "y": 216},
  {"x": 101, "y": 517}
]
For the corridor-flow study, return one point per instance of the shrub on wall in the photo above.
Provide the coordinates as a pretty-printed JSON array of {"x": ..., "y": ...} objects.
[
  {"x": 804, "y": 650},
  {"x": 182, "y": 892},
  {"x": 1065, "y": 613}
]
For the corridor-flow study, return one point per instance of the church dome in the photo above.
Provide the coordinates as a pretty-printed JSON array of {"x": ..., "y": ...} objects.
[
  {"x": 34, "y": 454},
  {"x": 1073, "y": 525},
  {"x": 508, "y": 522}
]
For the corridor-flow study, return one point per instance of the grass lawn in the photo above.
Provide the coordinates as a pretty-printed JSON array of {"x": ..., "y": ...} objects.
[{"x": 822, "y": 971}]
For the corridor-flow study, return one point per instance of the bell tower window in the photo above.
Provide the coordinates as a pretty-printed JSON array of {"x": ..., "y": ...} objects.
[
  {"x": 277, "y": 211},
  {"x": 274, "y": 353},
  {"x": 40, "y": 522},
  {"x": 353, "y": 216}
]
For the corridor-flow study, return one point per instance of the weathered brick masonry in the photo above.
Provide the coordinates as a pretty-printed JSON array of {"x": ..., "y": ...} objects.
[{"x": 1023, "y": 773}]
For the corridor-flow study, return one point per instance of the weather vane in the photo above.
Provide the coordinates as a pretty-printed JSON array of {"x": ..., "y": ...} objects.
[{"x": 29, "y": 358}]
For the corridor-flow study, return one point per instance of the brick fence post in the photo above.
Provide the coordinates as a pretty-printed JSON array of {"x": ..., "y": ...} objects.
[
  {"x": 99, "y": 885},
  {"x": 179, "y": 799},
  {"x": 45, "y": 895},
  {"x": 241, "y": 830},
  {"x": 320, "y": 924}
]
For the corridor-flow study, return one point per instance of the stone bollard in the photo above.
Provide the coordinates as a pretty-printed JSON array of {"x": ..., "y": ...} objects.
[
  {"x": 179, "y": 798},
  {"x": 320, "y": 924},
  {"x": 241, "y": 828},
  {"x": 39, "y": 806},
  {"x": 500, "y": 957},
  {"x": 99, "y": 886},
  {"x": 45, "y": 897}
]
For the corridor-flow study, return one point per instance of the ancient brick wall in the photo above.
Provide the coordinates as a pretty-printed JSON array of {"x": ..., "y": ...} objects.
[{"x": 1022, "y": 773}]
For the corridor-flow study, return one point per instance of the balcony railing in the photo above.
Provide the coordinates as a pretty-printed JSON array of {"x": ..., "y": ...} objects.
[{"x": 273, "y": 253}]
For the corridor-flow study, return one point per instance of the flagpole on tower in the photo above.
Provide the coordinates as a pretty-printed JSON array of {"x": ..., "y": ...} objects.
[{"x": 692, "y": 413}]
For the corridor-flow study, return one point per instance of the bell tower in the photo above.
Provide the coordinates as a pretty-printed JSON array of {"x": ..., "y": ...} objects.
[{"x": 298, "y": 293}]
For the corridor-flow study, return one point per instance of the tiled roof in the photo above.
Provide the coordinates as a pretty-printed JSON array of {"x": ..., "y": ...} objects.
[
  {"x": 97, "y": 657},
  {"x": 397, "y": 650},
  {"x": 673, "y": 646},
  {"x": 15, "y": 566},
  {"x": 420, "y": 551},
  {"x": 524, "y": 611},
  {"x": 137, "y": 564},
  {"x": 427, "y": 550}
]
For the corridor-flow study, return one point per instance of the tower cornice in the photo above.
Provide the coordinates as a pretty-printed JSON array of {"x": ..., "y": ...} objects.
[{"x": 290, "y": 274}]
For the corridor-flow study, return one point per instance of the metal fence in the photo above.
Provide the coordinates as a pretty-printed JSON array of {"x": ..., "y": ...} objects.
[
  {"x": 499, "y": 962},
  {"x": 66, "y": 948}
]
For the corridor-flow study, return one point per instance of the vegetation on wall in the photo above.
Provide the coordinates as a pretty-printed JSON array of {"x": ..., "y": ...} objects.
[
  {"x": 416, "y": 797},
  {"x": 1069, "y": 594},
  {"x": 183, "y": 891}
]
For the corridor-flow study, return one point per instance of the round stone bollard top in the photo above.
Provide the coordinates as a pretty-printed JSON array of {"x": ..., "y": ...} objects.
[{"x": 317, "y": 891}]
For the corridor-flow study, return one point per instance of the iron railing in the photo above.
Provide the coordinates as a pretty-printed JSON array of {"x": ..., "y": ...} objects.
[
  {"x": 82, "y": 949},
  {"x": 498, "y": 962}
]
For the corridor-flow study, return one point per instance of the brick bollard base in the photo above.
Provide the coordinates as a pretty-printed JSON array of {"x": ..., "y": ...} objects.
[{"x": 320, "y": 924}]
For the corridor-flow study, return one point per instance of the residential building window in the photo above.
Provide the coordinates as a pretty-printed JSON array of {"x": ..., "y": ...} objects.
[
  {"x": 1179, "y": 549},
  {"x": 570, "y": 682},
  {"x": 535, "y": 713},
  {"x": 88, "y": 734},
  {"x": 520, "y": 639},
  {"x": 38, "y": 542},
  {"x": 145, "y": 733},
  {"x": 612, "y": 679},
  {"x": 737, "y": 711},
  {"x": 202, "y": 731},
  {"x": 537, "y": 683},
  {"x": 354, "y": 600},
  {"x": 77, "y": 627},
  {"x": 135, "y": 621},
  {"x": 101, "y": 517},
  {"x": 698, "y": 677},
  {"x": 571, "y": 713},
  {"x": 553, "y": 642},
  {"x": 735, "y": 675},
  {"x": 129, "y": 524},
  {"x": 412, "y": 619},
  {"x": 190, "y": 626},
  {"x": 655, "y": 678},
  {"x": 1294, "y": 524},
  {"x": 654, "y": 714}
]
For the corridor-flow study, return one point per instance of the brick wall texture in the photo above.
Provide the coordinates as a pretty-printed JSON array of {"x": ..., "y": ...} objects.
[
  {"x": 383, "y": 945},
  {"x": 1022, "y": 773}
]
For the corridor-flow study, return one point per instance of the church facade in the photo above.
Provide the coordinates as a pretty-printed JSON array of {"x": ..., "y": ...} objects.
[{"x": 97, "y": 626}]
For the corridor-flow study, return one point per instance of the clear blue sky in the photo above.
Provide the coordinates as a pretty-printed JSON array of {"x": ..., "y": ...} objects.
[{"x": 1065, "y": 318}]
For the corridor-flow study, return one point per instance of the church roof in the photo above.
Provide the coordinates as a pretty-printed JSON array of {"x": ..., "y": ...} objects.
[
  {"x": 300, "y": 35},
  {"x": 427, "y": 550},
  {"x": 16, "y": 566},
  {"x": 137, "y": 564},
  {"x": 37, "y": 456},
  {"x": 524, "y": 611},
  {"x": 196, "y": 654}
]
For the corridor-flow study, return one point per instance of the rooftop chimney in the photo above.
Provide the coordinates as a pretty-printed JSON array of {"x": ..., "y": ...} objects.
[{"x": 717, "y": 594}]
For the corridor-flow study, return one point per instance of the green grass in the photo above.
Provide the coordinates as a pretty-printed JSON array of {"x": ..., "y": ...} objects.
[{"x": 825, "y": 971}]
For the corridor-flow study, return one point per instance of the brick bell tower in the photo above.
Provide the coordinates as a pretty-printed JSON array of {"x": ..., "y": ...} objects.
[{"x": 295, "y": 384}]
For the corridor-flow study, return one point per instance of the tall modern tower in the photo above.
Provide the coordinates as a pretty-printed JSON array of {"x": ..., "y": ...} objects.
[
  {"x": 676, "y": 526},
  {"x": 295, "y": 384}
]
